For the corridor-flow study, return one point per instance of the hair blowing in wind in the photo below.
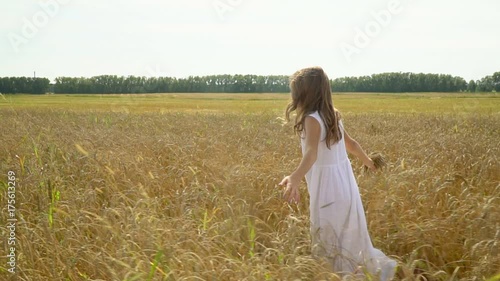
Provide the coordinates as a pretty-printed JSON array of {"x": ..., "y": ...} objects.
[{"x": 310, "y": 91}]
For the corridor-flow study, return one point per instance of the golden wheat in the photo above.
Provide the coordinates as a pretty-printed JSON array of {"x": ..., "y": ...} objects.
[
  {"x": 193, "y": 196},
  {"x": 378, "y": 161}
]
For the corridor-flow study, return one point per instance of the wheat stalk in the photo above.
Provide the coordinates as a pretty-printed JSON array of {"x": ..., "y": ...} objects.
[{"x": 378, "y": 160}]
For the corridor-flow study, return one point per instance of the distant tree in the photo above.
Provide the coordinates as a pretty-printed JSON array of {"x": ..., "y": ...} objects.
[
  {"x": 486, "y": 84},
  {"x": 39, "y": 85},
  {"x": 496, "y": 81},
  {"x": 24, "y": 85},
  {"x": 471, "y": 86}
]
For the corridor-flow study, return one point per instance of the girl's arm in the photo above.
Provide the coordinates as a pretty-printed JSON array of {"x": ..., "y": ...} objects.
[
  {"x": 312, "y": 131},
  {"x": 353, "y": 147}
]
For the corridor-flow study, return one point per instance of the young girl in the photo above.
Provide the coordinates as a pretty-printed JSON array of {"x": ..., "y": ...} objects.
[{"x": 338, "y": 225}]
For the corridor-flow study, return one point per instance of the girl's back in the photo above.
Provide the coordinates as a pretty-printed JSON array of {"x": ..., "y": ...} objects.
[{"x": 336, "y": 154}]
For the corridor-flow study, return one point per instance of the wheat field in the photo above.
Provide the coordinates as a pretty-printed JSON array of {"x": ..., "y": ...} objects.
[{"x": 184, "y": 187}]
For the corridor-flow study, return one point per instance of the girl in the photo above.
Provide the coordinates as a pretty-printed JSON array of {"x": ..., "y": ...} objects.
[{"x": 338, "y": 225}]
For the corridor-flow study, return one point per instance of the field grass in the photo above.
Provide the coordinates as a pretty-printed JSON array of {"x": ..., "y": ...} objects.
[
  {"x": 252, "y": 103},
  {"x": 183, "y": 187}
]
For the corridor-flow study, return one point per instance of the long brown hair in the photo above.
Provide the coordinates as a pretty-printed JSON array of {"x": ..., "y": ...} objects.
[{"x": 310, "y": 91}]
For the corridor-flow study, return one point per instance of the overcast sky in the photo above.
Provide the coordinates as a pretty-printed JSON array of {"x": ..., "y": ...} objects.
[{"x": 201, "y": 37}]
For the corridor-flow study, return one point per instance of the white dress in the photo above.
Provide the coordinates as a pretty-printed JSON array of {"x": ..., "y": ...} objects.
[{"x": 338, "y": 225}]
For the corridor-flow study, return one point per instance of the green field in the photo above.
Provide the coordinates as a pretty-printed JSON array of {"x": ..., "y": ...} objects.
[
  {"x": 184, "y": 186},
  {"x": 248, "y": 103}
]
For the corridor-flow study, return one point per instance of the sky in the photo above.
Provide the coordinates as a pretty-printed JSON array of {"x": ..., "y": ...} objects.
[{"x": 179, "y": 38}]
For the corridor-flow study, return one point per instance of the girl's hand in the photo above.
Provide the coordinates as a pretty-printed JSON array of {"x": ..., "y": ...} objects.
[
  {"x": 370, "y": 165},
  {"x": 291, "y": 193}
]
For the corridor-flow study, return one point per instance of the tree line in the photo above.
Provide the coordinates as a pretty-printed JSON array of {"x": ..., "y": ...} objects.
[
  {"x": 194, "y": 84},
  {"x": 397, "y": 82},
  {"x": 400, "y": 82},
  {"x": 25, "y": 85},
  {"x": 393, "y": 82}
]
